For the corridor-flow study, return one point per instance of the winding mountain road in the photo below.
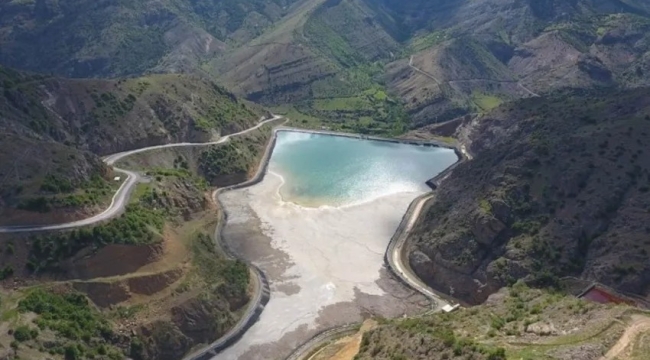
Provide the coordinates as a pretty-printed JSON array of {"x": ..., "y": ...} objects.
[
  {"x": 430, "y": 76},
  {"x": 261, "y": 292},
  {"x": 121, "y": 197},
  {"x": 423, "y": 72}
]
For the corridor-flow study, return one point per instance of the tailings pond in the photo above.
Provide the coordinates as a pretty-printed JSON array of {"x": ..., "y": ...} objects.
[{"x": 318, "y": 225}]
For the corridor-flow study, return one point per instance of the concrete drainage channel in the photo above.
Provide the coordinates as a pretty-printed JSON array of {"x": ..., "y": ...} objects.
[
  {"x": 262, "y": 288},
  {"x": 327, "y": 336},
  {"x": 321, "y": 339}
]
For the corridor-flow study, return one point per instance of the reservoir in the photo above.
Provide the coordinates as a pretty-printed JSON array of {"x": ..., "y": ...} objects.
[
  {"x": 335, "y": 170},
  {"x": 318, "y": 226}
]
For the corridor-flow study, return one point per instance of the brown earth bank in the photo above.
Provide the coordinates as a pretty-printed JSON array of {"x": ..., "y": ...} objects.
[
  {"x": 164, "y": 313},
  {"x": 557, "y": 186},
  {"x": 163, "y": 290}
]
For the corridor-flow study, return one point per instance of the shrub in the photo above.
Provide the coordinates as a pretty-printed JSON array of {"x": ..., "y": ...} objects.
[
  {"x": 136, "y": 349},
  {"x": 72, "y": 353},
  {"x": 24, "y": 333},
  {"x": 132, "y": 228},
  {"x": 497, "y": 354},
  {"x": 38, "y": 204},
  {"x": 69, "y": 315},
  {"x": 6, "y": 272},
  {"x": 497, "y": 323},
  {"x": 56, "y": 184}
]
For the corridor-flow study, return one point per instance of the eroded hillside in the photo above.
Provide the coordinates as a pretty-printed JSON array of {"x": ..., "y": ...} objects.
[
  {"x": 81, "y": 38},
  {"x": 149, "y": 284},
  {"x": 54, "y": 131},
  {"x": 558, "y": 186},
  {"x": 437, "y": 59},
  {"x": 372, "y": 66},
  {"x": 515, "y": 323}
]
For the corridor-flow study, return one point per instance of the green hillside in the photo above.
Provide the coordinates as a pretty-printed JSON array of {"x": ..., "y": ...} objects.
[
  {"x": 82, "y": 38},
  {"x": 55, "y": 129},
  {"x": 557, "y": 187}
]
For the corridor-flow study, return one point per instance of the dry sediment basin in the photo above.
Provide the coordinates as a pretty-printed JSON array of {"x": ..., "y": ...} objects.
[{"x": 320, "y": 237}]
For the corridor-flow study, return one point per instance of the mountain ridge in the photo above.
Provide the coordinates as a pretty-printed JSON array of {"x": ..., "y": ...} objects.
[{"x": 77, "y": 120}]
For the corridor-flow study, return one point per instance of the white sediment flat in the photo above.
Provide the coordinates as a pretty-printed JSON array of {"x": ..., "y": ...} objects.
[{"x": 333, "y": 255}]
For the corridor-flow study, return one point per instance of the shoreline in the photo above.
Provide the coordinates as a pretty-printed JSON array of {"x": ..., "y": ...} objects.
[
  {"x": 345, "y": 205},
  {"x": 256, "y": 307},
  {"x": 397, "y": 244},
  {"x": 461, "y": 152}
]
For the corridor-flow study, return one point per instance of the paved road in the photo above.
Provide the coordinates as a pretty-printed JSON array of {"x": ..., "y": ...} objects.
[
  {"x": 423, "y": 72},
  {"x": 121, "y": 197},
  {"x": 398, "y": 263},
  {"x": 262, "y": 291},
  {"x": 429, "y": 75}
]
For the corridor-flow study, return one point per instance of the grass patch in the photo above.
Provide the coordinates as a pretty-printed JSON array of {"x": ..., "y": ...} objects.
[
  {"x": 297, "y": 118},
  {"x": 58, "y": 192},
  {"x": 427, "y": 41},
  {"x": 138, "y": 225},
  {"x": 486, "y": 102},
  {"x": 447, "y": 139},
  {"x": 215, "y": 269},
  {"x": 81, "y": 330},
  {"x": 342, "y": 104},
  {"x": 485, "y": 206},
  {"x": 229, "y": 163}
]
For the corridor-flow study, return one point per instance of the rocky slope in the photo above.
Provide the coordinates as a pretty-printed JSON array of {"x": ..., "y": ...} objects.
[
  {"x": 220, "y": 165},
  {"x": 515, "y": 323},
  {"x": 82, "y": 38},
  {"x": 173, "y": 292},
  {"x": 54, "y": 129},
  {"x": 558, "y": 186},
  {"x": 470, "y": 55},
  {"x": 359, "y": 65}
]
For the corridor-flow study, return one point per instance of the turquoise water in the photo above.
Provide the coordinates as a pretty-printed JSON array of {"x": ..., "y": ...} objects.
[{"x": 334, "y": 170}]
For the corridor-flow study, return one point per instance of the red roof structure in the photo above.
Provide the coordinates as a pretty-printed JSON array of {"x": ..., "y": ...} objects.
[{"x": 600, "y": 295}]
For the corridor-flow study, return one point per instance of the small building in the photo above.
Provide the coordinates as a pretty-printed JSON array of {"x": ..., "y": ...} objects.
[
  {"x": 449, "y": 308},
  {"x": 117, "y": 178},
  {"x": 600, "y": 294}
]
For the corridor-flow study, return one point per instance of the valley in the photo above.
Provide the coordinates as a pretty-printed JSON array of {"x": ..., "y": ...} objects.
[{"x": 323, "y": 258}]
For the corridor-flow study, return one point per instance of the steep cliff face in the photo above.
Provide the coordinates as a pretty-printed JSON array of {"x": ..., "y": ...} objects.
[
  {"x": 196, "y": 321},
  {"x": 557, "y": 186}
]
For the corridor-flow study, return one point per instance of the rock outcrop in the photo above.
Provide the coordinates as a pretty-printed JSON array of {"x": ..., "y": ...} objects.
[{"x": 557, "y": 187}]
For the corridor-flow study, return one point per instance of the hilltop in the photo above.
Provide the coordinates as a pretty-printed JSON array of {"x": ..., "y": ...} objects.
[
  {"x": 85, "y": 38},
  {"x": 435, "y": 60},
  {"x": 55, "y": 130},
  {"x": 379, "y": 66}
]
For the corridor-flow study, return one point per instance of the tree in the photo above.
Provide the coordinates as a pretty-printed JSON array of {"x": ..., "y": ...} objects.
[{"x": 71, "y": 353}]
